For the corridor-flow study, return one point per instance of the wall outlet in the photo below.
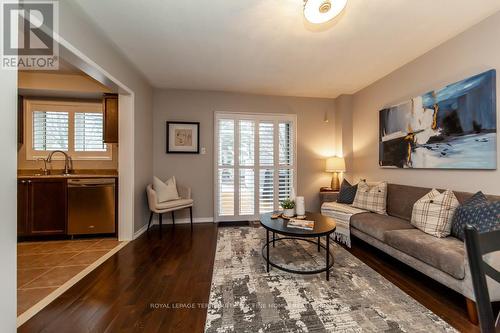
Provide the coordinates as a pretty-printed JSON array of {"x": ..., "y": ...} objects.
[{"x": 203, "y": 150}]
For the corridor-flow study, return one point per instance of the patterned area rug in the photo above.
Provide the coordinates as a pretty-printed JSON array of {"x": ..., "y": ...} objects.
[{"x": 244, "y": 298}]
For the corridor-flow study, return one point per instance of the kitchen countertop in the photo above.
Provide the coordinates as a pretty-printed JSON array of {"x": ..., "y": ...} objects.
[{"x": 24, "y": 174}]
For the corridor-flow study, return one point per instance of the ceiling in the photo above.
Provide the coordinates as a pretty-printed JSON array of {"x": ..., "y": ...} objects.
[{"x": 265, "y": 47}]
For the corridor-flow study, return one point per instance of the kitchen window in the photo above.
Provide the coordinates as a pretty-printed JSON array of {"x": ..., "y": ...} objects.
[{"x": 76, "y": 128}]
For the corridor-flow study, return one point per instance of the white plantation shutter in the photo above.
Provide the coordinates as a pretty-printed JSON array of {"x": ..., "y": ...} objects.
[
  {"x": 286, "y": 143},
  {"x": 255, "y": 164},
  {"x": 72, "y": 126},
  {"x": 226, "y": 159},
  {"x": 266, "y": 191},
  {"x": 226, "y": 142},
  {"x": 285, "y": 184},
  {"x": 226, "y": 192},
  {"x": 89, "y": 133},
  {"x": 50, "y": 130},
  {"x": 266, "y": 143},
  {"x": 286, "y": 158},
  {"x": 247, "y": 188}
]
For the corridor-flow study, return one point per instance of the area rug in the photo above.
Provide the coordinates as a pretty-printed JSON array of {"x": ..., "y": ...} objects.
[{"x": 244, "y": 298}]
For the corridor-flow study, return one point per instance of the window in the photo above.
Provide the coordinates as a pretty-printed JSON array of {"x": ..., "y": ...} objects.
[
  {"x": 74, "y": 127},
  {"x": 255, "y": 164}
]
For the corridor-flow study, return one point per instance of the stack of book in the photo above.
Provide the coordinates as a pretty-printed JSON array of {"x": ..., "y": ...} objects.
[{"x": 301, "y": 224}]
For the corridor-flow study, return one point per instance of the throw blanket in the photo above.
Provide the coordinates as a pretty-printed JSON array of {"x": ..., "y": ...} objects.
[{"x": 342, "y": 214}]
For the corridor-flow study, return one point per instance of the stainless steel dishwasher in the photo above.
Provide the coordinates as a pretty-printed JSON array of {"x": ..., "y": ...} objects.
[{"x": 91, "y": 208}]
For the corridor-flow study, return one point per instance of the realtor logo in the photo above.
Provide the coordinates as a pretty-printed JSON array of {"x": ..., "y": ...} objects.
[{"x": 28, "y": 35}]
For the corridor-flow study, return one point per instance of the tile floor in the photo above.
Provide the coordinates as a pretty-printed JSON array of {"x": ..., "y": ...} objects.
[{"x": 42, "y": 267}]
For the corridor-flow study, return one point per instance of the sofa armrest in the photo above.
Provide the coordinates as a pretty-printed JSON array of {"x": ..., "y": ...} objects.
[{"x": 184, "y": 191}]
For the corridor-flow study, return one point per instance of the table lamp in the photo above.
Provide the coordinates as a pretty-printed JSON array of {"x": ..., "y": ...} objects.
[{"x": 335, "y": 164}]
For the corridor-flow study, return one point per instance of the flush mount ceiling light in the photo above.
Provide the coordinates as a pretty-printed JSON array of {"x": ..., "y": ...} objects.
[{"x": 321, "y": 11}]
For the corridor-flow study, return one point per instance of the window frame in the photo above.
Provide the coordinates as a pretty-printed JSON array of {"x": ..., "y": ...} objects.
[{"x": 71, "y": 107}]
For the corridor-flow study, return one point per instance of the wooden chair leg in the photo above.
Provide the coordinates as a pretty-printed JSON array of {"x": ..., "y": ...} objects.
[
  {"x": 191, "y": 217},
  {"x": 173, "y": 218},
  {"x": 161, "y": 218},
  {"x": 472, "y": 311},
  {"x": 150, "y": 218}
]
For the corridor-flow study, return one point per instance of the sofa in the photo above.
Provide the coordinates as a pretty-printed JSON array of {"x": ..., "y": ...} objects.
[{"x": 442, "y": 259}]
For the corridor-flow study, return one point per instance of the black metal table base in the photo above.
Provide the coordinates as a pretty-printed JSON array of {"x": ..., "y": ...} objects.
[{"x": 328, "y": 255}]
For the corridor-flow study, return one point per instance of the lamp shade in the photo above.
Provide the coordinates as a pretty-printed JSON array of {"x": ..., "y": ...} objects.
[{"x": 335, "y": 164}]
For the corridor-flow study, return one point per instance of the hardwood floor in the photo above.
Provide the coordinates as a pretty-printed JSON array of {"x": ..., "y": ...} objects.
[{"x": 139, "y": 288}]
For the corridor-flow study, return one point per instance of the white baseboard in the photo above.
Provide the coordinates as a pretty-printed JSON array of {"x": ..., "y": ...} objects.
[{"x": 169, "y": 221}]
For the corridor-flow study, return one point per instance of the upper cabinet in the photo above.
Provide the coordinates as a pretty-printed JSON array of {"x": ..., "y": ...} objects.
[{"x": 110, "y": 107}]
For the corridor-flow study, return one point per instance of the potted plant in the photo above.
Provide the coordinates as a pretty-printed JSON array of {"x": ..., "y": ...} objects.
[{"x": 288, "y": 207}]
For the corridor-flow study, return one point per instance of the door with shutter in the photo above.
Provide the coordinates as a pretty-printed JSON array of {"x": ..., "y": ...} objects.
[{"x": 254, "y": 164}]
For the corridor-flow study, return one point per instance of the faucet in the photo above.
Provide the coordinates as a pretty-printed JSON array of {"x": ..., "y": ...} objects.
[
  {"x": 45, "y": 171},
  {"x": 67, "y": 161}
]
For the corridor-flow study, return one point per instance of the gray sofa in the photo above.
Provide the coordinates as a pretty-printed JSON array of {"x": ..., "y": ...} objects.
[{"x": 443, "y": 259}]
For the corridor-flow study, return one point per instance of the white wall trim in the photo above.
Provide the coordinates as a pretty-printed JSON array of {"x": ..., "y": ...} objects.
[{"x": 177, "y": 221}]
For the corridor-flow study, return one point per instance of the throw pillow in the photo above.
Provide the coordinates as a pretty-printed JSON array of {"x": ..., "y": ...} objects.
[
  {"x": 347, "y": 192},
  {"x": 433, "y": 212},
  {"x": 372, "y": 198},
  {"x": 165, "y": 191},
  {"x": 478, "y": 212}
]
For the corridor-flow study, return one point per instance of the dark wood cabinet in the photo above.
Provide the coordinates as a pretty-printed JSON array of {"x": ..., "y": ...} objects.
[
  {"x": 22, "y": 207},
  {"x": 42, "y": 207},
  {"x": 110, "y": 110}
]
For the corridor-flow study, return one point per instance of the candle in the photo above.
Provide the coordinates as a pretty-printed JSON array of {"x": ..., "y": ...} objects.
[{"x": 300, "y": 206}]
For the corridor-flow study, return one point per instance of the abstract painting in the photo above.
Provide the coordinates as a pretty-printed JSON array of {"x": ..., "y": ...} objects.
[{"x": 451, "y": 128}]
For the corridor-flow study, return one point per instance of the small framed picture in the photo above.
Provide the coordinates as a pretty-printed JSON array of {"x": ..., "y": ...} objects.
[{"x": 183, "y": 137}]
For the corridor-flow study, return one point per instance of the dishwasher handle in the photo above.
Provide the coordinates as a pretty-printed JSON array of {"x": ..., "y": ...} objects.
[{"x": 91, "y": 182}]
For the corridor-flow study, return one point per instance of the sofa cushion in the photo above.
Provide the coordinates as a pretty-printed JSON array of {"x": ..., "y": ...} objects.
[
  {"x": 401, "y": 198},
  {"x": 376, "y": 225},
  {"x": 446, "y": 254},
  {"x": 371, "y": 197},
  {"x": 434, "y": 211},
  {"x": 478, "y": 212}
]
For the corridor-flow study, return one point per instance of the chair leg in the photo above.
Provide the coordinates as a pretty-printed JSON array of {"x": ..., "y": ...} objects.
[
  {"x": 150, "y": 218},
  {"x": 472, "y": 311},
  {"x": 173, "y": 218},
  {"x": 191, "y": 217},
  {"x": 161, "y": 218}
]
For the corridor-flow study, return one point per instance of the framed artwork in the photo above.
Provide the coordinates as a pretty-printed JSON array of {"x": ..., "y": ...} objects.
[
  {"x": 451, "y": 128},
  {"x": 183, "y": 137}
]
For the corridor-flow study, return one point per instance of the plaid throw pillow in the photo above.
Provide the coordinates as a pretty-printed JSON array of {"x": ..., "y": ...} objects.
[
  {"x": 372, "y": 198},
  {"x": 433, "y": 213}
]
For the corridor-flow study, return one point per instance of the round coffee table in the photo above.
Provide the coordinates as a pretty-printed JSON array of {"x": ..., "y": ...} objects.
[{"x": 323, "y": 227}]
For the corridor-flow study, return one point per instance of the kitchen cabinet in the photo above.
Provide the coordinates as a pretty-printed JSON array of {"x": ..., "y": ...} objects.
[
  {"x": 110, "y": 110},
  {"x": 42, "y": 207}
]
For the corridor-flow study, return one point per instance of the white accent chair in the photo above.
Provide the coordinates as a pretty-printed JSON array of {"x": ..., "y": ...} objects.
[{"x": 160, "y": 208}]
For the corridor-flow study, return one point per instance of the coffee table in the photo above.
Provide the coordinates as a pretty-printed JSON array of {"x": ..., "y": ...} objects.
[{"x": 323, "y": 227}]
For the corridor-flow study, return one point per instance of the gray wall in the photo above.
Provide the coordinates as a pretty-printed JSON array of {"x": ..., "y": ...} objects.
[
  {"x": 8, "y": 190},
  {"x": 315, "y": 139},
  {"x": 472, "y": 52},
  {"x": 76, "y": 28}
]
